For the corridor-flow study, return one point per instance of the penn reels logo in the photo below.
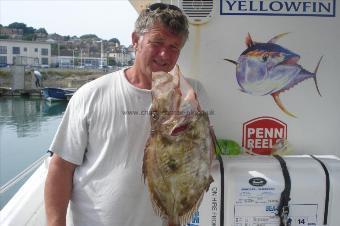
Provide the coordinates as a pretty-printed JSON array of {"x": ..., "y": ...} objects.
[{"x": 261, "y": 134}]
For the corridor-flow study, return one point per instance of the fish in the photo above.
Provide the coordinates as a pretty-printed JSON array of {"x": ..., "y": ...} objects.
[
  {"x": 179, "y": 151},
  {"x": 270, "y": 69}
]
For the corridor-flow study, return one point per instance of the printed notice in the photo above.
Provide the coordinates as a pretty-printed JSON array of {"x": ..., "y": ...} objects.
[
  {"x": 257, "y": 206},
  {"x": 253, "y": 215},
  {"x": 265, "y": 215}
]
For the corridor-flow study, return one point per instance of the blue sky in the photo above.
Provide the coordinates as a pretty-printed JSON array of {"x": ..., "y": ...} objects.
[{"x": 105, "y": 18}]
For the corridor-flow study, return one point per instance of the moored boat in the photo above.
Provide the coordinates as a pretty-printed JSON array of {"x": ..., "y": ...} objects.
[{"x": 54, "y": 94}]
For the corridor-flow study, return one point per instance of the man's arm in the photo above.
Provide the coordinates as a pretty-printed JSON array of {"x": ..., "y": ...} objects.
[{"x": 58, "y": 188}]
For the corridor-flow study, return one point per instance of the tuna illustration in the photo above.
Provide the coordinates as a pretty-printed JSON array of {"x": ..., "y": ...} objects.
[
  {"x": 270, "y": 69},
  {"x": 179, "y": 151}
]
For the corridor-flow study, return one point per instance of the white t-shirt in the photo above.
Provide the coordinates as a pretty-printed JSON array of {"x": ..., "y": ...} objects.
[
  {"x": 104, "y": 131},
  {"x": 37, "y": 74}
]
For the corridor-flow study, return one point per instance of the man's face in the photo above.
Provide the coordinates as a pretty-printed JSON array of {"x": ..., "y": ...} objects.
[{"x": 157, "y": 50}]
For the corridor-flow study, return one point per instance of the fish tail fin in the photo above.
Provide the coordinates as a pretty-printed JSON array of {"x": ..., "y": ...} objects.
[
  {"x": 173, "y": 222},
  {"x": 279, "y": 103},
  {"x": 314, "y": 76}
]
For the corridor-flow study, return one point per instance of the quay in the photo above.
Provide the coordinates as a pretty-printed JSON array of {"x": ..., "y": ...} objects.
[{"x": 6, "y": 91}]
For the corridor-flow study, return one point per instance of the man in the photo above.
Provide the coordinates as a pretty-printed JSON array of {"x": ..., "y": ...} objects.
[
  {"x": 38, "y": 78},
  {"x": 99, "y": 147}
]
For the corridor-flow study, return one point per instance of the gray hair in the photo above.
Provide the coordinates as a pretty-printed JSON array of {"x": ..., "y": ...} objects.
[{"x": 173, "y": 20}]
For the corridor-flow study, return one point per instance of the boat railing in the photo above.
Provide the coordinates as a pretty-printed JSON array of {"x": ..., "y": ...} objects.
[{"x": 24, "y": 173}]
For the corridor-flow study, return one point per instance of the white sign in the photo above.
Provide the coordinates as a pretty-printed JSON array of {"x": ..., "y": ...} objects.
[{"x": 324, "y": 8}]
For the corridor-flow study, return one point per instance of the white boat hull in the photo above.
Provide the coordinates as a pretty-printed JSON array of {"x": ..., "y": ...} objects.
[
  {"x": 27, "y": 205},
  {"x": 253, "y": 201}
]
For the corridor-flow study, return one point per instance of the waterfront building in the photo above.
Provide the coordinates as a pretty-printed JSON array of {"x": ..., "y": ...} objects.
[
  {"x": 122, "y": 56},
  {"x": 30, "y": 53},
  {"x": 78, "y": 62}
]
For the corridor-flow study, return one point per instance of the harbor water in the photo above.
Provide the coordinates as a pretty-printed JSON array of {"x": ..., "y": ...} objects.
[{"x": 27, "y": 127}]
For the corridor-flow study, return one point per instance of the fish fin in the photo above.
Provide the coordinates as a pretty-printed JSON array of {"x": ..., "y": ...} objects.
[
  {"x": 172, "y": 224},
  {"x": 157, "y": 206},
  {"x": 214, "y": 142},
  {"x": 157, "y": 210},
  {"x": 177, "y": 73},
  {"x": 176, "y": 76},
  {"x": 144, "y": 169},
  {"x": 280, "y": 105},
  {"x": 314, "y": 77},
  {"x": 187, "y": 91},
  {"x": 231, "y": 61},
  {"x": 249, "y": 42},
  {"x": 291, "y": 61},
  {"x": 184, "y": 219},
  {"x": 243, "y": 90},
  {"x": 277, "y": 37},
  {"x": 177, "y": 69}
]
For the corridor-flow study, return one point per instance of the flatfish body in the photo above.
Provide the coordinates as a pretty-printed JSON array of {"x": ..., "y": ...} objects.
[{"x": 178, "y": 153}]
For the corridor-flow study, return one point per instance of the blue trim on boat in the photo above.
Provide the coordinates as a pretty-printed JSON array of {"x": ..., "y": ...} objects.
[{"x": 57, "y": 93}]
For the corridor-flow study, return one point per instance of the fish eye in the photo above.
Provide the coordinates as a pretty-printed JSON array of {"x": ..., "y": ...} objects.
[{"x": 265, "y": 57}]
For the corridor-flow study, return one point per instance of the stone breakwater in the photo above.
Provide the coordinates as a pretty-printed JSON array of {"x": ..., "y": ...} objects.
[{"x": 53, "y": 77}]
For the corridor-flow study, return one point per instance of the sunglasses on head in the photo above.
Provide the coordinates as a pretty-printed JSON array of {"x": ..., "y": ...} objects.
[{"x": 162, "y": 6}]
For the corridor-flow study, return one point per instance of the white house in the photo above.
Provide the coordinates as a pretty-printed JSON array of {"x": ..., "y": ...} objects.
[
  {"x": 25, "y": 53},
  {"x": 122, "y": 57}
]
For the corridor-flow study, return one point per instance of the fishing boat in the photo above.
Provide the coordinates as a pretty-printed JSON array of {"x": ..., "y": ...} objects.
[
  {"x": 231, "y": 175},
  {"x": 5, "y": 90},
  {"x": 27, "y": 206},
  {"x": 56, "y": 94}
]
